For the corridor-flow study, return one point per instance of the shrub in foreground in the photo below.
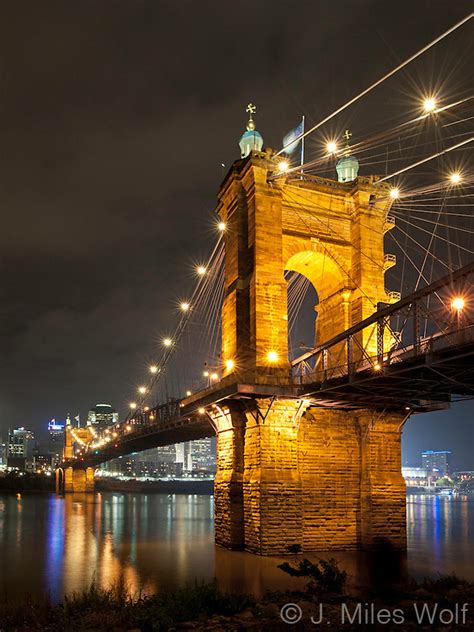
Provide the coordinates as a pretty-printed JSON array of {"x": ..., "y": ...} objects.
[{"x": 101, "y": 609}]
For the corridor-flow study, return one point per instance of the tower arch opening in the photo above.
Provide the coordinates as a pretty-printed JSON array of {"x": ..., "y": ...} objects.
[
  {"x": 302, "y": 301},
  {"x": 317, "y": 305}
]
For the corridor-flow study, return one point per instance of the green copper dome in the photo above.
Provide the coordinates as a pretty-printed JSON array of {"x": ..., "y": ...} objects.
[
  {"x": 251, "y": 140},
  {"x": 347, "y": 169}
]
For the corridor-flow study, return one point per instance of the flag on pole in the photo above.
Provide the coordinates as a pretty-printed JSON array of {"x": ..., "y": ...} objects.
[{"x": 290, "y": 144}]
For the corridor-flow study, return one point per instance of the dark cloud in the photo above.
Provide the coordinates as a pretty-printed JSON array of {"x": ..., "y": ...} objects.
[{"x": 115, "y": 118}]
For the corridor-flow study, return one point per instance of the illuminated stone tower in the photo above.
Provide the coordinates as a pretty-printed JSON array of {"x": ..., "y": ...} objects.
[
  {"x": 330, "y": 232},
  {"x": 77, "y": 479},
  {"x": 290, "y": 472}
]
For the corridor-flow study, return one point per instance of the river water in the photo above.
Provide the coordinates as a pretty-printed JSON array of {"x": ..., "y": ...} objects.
[{"x": 57, "y": 545}]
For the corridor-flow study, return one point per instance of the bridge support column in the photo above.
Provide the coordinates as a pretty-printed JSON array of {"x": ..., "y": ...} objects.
[
  {"x": 325, "y": 479},
  {"x": 329, "y": 461},
  {"x": 272, "y": 483},
  {"x": 79, "y": 480},
  {"x": 90, "y": 484},
  {"x": 353, "y": 490},
  {"x": 383, "y": 488},
  {"x": 228, "y": 490}
]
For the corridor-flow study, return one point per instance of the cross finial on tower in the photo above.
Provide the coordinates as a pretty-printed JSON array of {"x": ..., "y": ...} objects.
[
  {"x": 347, "y": 135},
  {"x": 251, "y": 109}
]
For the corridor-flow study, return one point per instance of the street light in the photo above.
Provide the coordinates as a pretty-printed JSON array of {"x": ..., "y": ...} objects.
[
  {"x": 458, "y": 303},
  {"x": 331, "y": 147},
  {"x": 429, "y": 105}
]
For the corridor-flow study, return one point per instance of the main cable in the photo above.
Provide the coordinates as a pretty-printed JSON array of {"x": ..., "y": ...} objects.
[{"x": 382, "y": 79}]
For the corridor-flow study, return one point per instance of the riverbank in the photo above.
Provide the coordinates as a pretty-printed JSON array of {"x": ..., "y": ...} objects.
[
  {"x": 191, "y": 486},
  {"x": 18, "y": 483},
  {"x": 446, "y": 603}
]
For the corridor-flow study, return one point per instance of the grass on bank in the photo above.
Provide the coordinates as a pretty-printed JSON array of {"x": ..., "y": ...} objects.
[{"x": 108, "y": 609}]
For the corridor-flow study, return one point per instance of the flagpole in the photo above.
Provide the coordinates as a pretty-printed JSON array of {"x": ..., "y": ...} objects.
[{"x": 302, "y": 143}]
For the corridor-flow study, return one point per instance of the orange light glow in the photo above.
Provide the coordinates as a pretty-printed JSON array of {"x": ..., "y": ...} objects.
[
  {"x": 458, "y": 303},
  {"x": 272, "y": 356}
]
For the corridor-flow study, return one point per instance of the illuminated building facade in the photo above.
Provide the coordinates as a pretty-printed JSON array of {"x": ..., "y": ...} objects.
[
  {"x": 3, "y": 454},
  {"x": 191, "y": 458},
  {"x": 415, "y": 476},
  {"x": 43, "y": 463},
  {"x": 466, "y": 475},
  {"x": 21, "y": 443},
  {"x": 436, "y": 463},
  {"x": 55, "y": 441},
  {"x": 203, "y": 456},
  {"x": 102, "y": 415}
]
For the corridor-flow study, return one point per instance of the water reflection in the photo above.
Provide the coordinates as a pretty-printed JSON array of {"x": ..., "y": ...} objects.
[
  {"x": 147, "y": 542},
  {"x": 440, "y": 533}
]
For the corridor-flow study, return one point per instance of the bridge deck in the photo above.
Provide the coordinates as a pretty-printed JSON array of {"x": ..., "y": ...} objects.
[{"x": 419, "y": 383}]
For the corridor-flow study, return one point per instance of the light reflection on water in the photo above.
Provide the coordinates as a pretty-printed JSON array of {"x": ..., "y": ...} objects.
[
  {"x": 148, "y": 542},
  {"x": 440, "y": 535}
]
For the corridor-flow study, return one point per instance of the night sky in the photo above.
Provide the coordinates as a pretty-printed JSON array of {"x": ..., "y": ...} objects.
[{"x": 115, "y": 119}]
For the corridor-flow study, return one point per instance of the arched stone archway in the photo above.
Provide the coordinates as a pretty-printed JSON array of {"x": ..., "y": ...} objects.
[{"x": 330, "y": 284}]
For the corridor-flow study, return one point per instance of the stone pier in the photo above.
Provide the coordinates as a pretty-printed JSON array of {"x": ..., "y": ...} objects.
[
  {"x": 76, "y": 480},
  {"x": 321, "y": 478}
]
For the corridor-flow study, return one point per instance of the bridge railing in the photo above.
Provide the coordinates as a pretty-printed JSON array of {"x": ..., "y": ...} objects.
[
  {"x": 143, "y": 422},
  {"x": 160, "y": 413},
  {"x": 439, "y": 316}
]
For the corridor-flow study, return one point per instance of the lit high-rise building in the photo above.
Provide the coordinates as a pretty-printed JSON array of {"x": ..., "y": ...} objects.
[
  {"x": 203, "y": 455},
  {"x": 101, "y": 416},
  {"x": 55, "y": 441},
  {"x": 3, "y": 454},
  {"x": 436, "y": 463},
  {"x": 183, "y": 456},
  {"x": 166, "y": 454},
  {"x": 21, "y": 443}
]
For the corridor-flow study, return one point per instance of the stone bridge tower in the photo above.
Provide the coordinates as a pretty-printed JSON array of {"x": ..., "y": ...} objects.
[
  {"x": 330, "y": 232},
  {"x": 290, "y": 472},
  {"x": 75, "y": 479}
]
